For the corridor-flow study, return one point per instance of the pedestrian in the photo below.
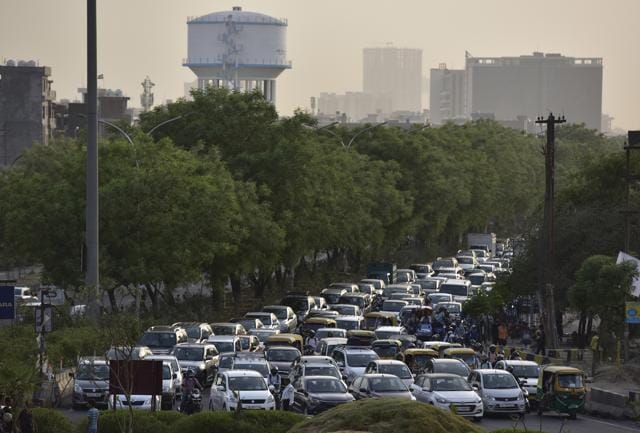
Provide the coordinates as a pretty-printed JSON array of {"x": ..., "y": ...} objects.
[
  {"x": 526, "y": 337},
  {"x": 288, "y": 394},
  {"x": 540, "y": 341},
  {"x": 25, "y": 419},
  {"x": 6, "y": 419},
  {"x": 484, "y": 363},
  {"x": 92, "y": 415},
  {"x": 503, "y": 333}
]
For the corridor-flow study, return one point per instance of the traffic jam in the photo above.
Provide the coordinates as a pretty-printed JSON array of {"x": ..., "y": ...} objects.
[{"x": 396, "y": 333}]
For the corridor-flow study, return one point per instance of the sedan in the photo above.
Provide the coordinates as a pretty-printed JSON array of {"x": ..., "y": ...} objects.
[
  {"x": 448, "y": 391},
  {"x": 319, "y": 393},
  {"x": 381, "y": 386}
]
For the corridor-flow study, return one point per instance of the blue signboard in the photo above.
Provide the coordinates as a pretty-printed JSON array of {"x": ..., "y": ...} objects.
[
  {"x": 632, "y": 312},
  {"x": 7, "y": 303}
]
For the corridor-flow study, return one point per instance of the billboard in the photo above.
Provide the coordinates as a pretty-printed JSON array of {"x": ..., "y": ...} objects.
[
  {"x": 135, "y": 377},
  {"x": 7, "y": 303}
]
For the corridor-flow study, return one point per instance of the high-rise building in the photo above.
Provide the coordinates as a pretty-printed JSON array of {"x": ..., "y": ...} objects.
[
  {"x": 356, "y": 106},
  {"x": 535, "y": 85},
  {"x": 447, "y": 94},
  {"x": 26, "y": 114},
  {"x": 396, "y": 72}
]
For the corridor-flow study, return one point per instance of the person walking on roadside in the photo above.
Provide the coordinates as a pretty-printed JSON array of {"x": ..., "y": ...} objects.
[
  {"x": 288, "y": 394},
  {"x": 540, "y": 341},
  {"x": 92, "y": 415},
  {"x": 503, "y": 334},
  {"x": 25, "y": 419}
]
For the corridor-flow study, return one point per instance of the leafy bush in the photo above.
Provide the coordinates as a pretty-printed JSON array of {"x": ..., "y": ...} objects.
[
  {"x": 384, "y": 416},
  {"x": 50, "y": 421},
  {"x": 143, "y": 422},
  {"x": 515, "y": 430},
  {"x": 244, "y": 422}
]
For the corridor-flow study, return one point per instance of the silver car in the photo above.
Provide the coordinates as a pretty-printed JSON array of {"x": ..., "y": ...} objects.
[
  {"x": 286, "y": 316},
  {"x": 499, "y": 390}
]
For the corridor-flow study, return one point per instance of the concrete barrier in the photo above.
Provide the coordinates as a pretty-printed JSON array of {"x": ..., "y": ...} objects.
[{"x": 610, "y": 404}]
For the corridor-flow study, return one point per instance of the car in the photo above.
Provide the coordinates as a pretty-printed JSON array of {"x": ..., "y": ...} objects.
[
  {"x": 481, "y": 254},
  {"x": 387, "y": 332},
  {"x": 282, "y": 357},
  {"x": 526, "y": 372},
  {"x": 161, "y": 339},
  {"x": 368, "y": 288},
  {"x": 300, "y": 303},
  {"x": 244, "y": 387},
  {"x": 286, "y": 316},
  {"x": 422, "y": 270},
  {"x": 349, "y": 287},
  {"x": 378, "y": 284},
  {"x": 24, "y": 296},
  {"x": 227, "y": 328},
  {"x": 352, "y": 361},
  {"x": 390, "y": 366},
  {"x": 333, "y": 295},
  {"x": 406, "y": 276},
  {"x": 312, "y": 369},
  {"x": 269, "y": 320},
  {"x": 313, "y": 359},
  {"x": 175, "y": 366},
  {"x": 454, "y": 308},
  {"x": 226, "y": 343},
  {"x": 248, "y": 323},
  {"x": 451, "y": 366},
  {"x": 316, "y": 394},
  {"x": 396, "y": 288},
  {"x": 459, "y": 289},
  {"x": 379, "y": 386},
  {"x": 326, "y": 346},
  {"x": 414, "y": 301},
  {"x": 477, "y": 277},
  {"x": 487, "y": 267},
  {"x": 499, "y": 391},
  {"x": 448, "y": 392},
  {"x": 202, "y": 359},
  {"x": 90, "y": 382},
  {"x": 197, "y": 332},
  {"x": 362, "y": 300},
  {"x": 134, "y": 401},
  {"x": 127, "y": 353},
  {"x": 169, "y": 391},
  {"x": 249, "y": 343},
  {"x": 393, "y": 305},
  {"x": 226, "y": 361},
  {"x": 429, "y": 285},
  {"x": 321, "y": 303},
  {"x": 252, "y": 361},
  {"x": 330, "y": 333},
  {"x": 468, "y": 263},
  {"x": 438, "y": 297},
  {"x": 347, "y": 309},
  {"x": 349, "y": 322},
  {"x": 445, "y": 264}
]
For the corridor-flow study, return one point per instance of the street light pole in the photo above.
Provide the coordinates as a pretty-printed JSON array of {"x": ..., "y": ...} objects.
[
  {"x": 363, "y": 131},
  {"x": 173, "y": 119},
  {"x": 92, "y": 277}
]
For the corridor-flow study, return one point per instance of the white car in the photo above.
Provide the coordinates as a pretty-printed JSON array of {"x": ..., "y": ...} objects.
[
  {"x": 136, "y": 402},
  {"x": 177, "y": 380},
  {"x": 499, "y": 391},
  {"x": 244, "y": 387},
  {"x": 391, "y": 366},
  {"x": 526, "y": 371},
  {"x": 269, "y": 320},
  {"x": 448, "y": 391},
  {"x": 352, "y": 361},
  {"x": 386, "y": 332}
]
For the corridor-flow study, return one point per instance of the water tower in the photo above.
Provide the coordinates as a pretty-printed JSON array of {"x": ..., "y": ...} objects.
[{"x": 238, "y": 50}]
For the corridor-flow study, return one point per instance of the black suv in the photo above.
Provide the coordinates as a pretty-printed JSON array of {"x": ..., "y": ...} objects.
[{"x": 161, "y": 339}]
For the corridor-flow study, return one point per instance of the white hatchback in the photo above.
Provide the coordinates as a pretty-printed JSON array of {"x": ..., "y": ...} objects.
[{"x": 240, "y": 387}]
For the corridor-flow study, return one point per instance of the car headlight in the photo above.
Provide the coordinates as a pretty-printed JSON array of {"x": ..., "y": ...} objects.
[
  {"x": 521, "y": 396},
  {"x": 202, "y": 366},
  {"x": 442, "y": 400},
  {"x": 232, "y": 399},
  {"x": 413, "y": 397},
  {"x": 165, "y": 389},
  {"x": 77, "y": 389},
  {"x": 478, "y": 401},
  {"x": 491, "y": 398},
  {"x": 270, "y": 399},
  {"x": 147, "y": 402}
]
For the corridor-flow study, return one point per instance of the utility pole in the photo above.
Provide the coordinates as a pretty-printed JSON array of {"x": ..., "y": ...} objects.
[
  {"x": 548, "y": 262},
  {"x": 92, "y": 278}
]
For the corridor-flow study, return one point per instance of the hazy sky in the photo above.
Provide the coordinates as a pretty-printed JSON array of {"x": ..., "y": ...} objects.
[{"x": 325, "y": 40}]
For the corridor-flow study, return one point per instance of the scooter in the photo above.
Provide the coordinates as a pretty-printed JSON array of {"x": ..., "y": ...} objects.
[{"x": 193, "y": 402}]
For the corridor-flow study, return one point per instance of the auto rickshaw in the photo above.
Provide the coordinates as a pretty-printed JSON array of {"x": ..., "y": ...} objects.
[
  {"x": 408, "y": 341},
  {"x": 290, "y": 340},
  {"x": 416, "y": 359},
  {"x": 315, "y": 323},
  {"x": 375, "y": 319},
  {"x": 440, "y": 346},
  {"x": 388, "y": 349},
  {"x": 464, "y": 354},
  {"x": 561, "y": 389},
  {"x": 360, "y": 337}
]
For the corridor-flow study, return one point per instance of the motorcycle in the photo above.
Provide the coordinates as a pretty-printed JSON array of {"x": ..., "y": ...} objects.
[{"x": 192, "y": 403}]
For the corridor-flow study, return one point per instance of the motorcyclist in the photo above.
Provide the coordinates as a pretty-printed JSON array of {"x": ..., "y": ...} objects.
[
  {"x": 189, "y": 383},
  {"x": 276, "y": 381},
  {"x": 493, "y": 355},
  {"x": 515, "y": 356},
  {"x": 484, "y": 361}
]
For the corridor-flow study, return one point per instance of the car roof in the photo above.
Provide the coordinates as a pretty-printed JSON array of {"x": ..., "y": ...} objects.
[
  {"x": 318, "y": 364},
  {"x": 438, "y": 375},
  {"x": 519, "y": 362},
  {"x": 214, "y": 338},
  {"x": 449, "y": 361},
  {"x": 356, "y": 349},
  {"x": 258, "y": 313},
  {"x": 390, "y": 328},
  {"x": 330, "y": 340},
  {"x": 194, "y": 345},
  {"x": 388, "y": 362},
  {"x": 491, "y": 371},
  {"x": 334, "y": 290},
  {"x": 100, "y": 360},
  {"x": 307, "y": 378},
  {"x": 380, "y": 375},
  {"x": 352, "y": 318},
  {"x": 275, "y": 306},
  {"x": 282, "y": 348},
  {"x": 242, "y": 373},
  {"x": 223, "y": 324}
]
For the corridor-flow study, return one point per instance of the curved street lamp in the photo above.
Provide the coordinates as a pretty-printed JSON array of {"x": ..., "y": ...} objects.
[
  {"x": 348, "y": 145},
  {"x": 363, "y": 131}
]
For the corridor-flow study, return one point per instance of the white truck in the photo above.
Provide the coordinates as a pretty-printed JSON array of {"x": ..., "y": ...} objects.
[{"x": 486, "y": 241}]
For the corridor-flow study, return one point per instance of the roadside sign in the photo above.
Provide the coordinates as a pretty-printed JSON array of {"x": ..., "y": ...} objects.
[
  {"x": 632, "y": 312},
  {"x": 52, "y": 296},
  {"x": 7, "y": 303},
  {"x": 44, "y": 319}
]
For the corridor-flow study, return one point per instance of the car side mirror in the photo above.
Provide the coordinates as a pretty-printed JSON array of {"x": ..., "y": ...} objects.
[
  {"x": 344, "y": 377},
  {"x": 174, "y": 375},
  {"x": 220, "y": 388},
  {"x": 475, "y": 387}
]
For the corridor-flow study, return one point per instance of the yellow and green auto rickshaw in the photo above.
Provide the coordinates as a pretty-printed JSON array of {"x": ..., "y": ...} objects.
[
  {"x": 416, "y": 359},
  {"x": 388, "y": 349},
  {"x": 465, "y": 354},
  {"x": 312, "y": 324},
  {"x": 360, "y": 337},
  {"x": 376, "y": 319},
  {"x": 561, "y": 389},
  {"x": 291, "y": 340}
]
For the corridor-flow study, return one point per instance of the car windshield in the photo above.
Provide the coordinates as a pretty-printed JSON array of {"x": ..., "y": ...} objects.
[
  {"x": 331, "y": 298},
  {"x": 452, "y": 368},
  {"x": 225, "y": 346},
  {"x": 436, "y": 298},
  {"x": 420, "y": 269},
  {"x": 226, "y": 362},
  {"x": 262, "y": 335},
  {"x": 92, "y": 372},
  {"x": 454, "y": 289},
  {"x": 281, "y": 313},
  {"x": 360, "y": 359},
  {"x": 346, "y": 310},
  {"x": 322, "y": 371},
  {"x": 189, "y": 353},
  {"x": 166, "y": 372},
  {"x": 282, "y": 355},
  {"x": 245, "y": 343},
  {"x": 526, "y": 370},
  {"x": 476, "y": 279},
  {"x": 347, "y": 324},
  {"x": 298, "y": 304},
  {"x": 449, "y": 384},
  {"x": 387, "y": 384},
  {"x": 427, "y": 285},
  {"x": 247, "y": 384},
  {"x": 353, "y": 300},
  {"x": 158, "y": 339},
  {"x": 442, "y": 264},
  {"x": 385, "y": 335},
  {"x": 224, "y": 330},
  {"x": 396, "y": 369},
  {"x": 451, "y": 308},
  {"x": 265, "y": 319},
  {"x": 570, "y": 381},
  {"x": 325, "y": 386},
  {"x": 386, "y": 351},
  {"x": 262, "y": 368},
  {"x": 394, "y": 306},
  {"x": 194, "y": 332},
  {"x": 499, "y": 381},
  {"x": 328, "y": 333},
  {"x": 465, "y": 260}
]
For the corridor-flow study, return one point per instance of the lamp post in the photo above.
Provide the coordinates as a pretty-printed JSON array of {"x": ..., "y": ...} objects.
[
  {"x": 363, "y": 131},
  {"x": 348, "y": 145},
  {"x": 173, "y": 119}
]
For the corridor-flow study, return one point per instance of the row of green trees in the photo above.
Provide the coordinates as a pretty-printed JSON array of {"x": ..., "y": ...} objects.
[{"x": 232, "y": 191}]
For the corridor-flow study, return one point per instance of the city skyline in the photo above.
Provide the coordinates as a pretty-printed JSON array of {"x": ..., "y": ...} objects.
[{"x": 132, "y": 47}]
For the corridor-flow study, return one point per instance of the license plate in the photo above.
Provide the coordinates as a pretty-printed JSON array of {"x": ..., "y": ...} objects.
[
  {"x": 507, "y": 406},
  {"x": 463, "y": 409},
  {"x": 251, "y": 406},
  {"x": 93, "y": 395}
]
